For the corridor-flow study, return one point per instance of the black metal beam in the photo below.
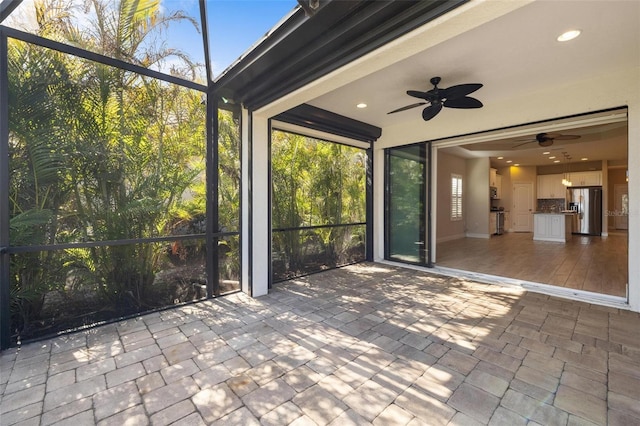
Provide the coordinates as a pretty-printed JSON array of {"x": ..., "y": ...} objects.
[
  {"x": 213, "y": 267},
  {"x": 102, "y": 59},
  {"x": 5, "y": 293},
  {"x": 387, "y": 202},
  {"x": 6, "y": 7},
  {"x": 429, "y": 243},
  {"x": 270, "y": 202},
  {"x": 369, "y": 206},
  {"x": 205, "y": 40},
  {"x": 305, "y": 48},
  {"x": 326, "y": 121},
  {"x": 424, "y": 228}
]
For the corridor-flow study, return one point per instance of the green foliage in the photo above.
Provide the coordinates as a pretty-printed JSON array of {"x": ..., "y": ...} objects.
[
  {"x": 101, "y": 154},
  {"x": 316, "y": 183}
]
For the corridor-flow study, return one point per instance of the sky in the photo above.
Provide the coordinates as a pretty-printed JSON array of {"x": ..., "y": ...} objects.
[{"x": 234, "y": 25}]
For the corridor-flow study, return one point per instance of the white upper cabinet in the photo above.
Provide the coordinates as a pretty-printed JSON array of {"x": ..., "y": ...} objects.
[
  {"x": 493, "y": 173},
  {"x": 550, "y": 186},
  {"x": 592, "y": 178}
]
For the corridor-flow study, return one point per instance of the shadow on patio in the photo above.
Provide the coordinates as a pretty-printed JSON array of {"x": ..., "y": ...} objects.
[{"x": 365, "y": 344}]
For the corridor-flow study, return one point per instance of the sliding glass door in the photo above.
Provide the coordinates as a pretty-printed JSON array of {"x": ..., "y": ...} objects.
[{"x": 406, "y": 203}]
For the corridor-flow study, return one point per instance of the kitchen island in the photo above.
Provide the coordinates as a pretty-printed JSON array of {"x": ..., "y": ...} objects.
[{"x": 554, "y": 227}]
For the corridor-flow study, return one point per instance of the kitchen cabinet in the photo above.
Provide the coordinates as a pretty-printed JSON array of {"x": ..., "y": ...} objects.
[
  {"x": 492, "y": 176},
  {"x": 492, "y": 223},
  {"x": 552, "y": 227},
  {"x": 592, "y": 178},
  {"x": 498, "y": 186},
  {"x": 550, "y": 186}
]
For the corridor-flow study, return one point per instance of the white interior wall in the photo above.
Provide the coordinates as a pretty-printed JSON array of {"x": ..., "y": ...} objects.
[
  {"x": 476, "y": 198},
  {"x": 446, "y": 228}
]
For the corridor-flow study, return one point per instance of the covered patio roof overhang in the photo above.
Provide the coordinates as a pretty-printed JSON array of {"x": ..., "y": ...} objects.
[{"x": 418, "y": 38}]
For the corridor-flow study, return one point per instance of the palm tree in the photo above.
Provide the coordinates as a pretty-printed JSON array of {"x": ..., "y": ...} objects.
[{"x": 97, "y": 154}]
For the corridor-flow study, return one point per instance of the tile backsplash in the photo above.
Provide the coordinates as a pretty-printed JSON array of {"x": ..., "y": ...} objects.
[{"x": 550, "y": 204}]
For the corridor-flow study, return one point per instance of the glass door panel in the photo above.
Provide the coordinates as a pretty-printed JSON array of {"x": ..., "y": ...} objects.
[{"x": 406, "y": 195}]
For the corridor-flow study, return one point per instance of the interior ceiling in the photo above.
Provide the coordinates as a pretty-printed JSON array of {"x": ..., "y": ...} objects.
[
  {"x": 599, "y": 142},
  {"x": 512, "y": 56}
]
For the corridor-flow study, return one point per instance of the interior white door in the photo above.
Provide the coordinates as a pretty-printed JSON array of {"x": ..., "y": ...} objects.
[
  {"x": 522, "y": 207},
  {"x": 621, "y": 193}
]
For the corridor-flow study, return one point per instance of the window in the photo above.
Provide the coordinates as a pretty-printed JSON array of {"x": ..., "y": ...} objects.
[{"x": 456, "y": 197}]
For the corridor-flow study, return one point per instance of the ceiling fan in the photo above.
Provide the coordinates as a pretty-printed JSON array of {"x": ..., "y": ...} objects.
[
  {"x": 453, "y": 97},
  {"x": 546, "y": 139}
]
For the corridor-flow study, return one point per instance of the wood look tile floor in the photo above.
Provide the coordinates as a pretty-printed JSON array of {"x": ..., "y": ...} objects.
[{"x": 587, "y": 263}]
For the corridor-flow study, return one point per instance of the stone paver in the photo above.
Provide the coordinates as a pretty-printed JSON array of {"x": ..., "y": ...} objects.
[
  {"x": 366, "y": 344},
  {"x": 215, "y": 402}
]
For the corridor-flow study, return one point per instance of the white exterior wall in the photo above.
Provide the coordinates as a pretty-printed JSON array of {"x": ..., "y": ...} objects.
[
  {"x": 255, "y": 235},
  {"x": 634, "y": 196},
  {"x": 606, "y": 91},
  {"x": 617, "y": 88}
]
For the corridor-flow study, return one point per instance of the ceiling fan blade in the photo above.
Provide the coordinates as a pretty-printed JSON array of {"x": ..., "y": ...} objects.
[
  {"x": 404, "y": 108},
  {"x": 465, "y": 102},
  {"x": 459, "y": 90},
  {"x": 563, "y": 137},
  {"x": 418, "y": 94},
  {"x": 522, "y": 144},
  {"x": 431, "y": 111}
]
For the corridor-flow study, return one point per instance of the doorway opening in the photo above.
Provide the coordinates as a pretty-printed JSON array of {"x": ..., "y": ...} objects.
[{"x": 520, "y": 172}]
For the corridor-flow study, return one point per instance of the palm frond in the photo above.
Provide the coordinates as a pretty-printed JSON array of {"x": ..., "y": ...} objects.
[{"x": 27, "y": 228}]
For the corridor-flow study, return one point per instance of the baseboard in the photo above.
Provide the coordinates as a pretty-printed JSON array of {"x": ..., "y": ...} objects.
[
  {"x": 473, "y": 235},
  {"x": 450, "y": 238}
]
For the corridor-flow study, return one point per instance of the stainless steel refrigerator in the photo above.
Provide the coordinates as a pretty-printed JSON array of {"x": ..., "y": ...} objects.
[{"x": 586, "y": 201}]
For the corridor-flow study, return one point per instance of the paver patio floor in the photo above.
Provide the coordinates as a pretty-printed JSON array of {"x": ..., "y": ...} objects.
[{"x": 366, "y": 344}]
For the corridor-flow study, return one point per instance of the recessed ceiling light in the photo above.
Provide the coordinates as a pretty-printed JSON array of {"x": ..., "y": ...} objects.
[
  {"x": 556, "y": 161},
  {"x": 552, "y": 157},
  {"x": 569, "y": 35},
  {"x": 516, "y": 164},
  {"x": 509, "y": 161},
  {"x": 361, "y": 105},
  {"x": 584, "y": 159},
  {"x": 546, "y": 153},
  {"x": 500, "y": 158}
]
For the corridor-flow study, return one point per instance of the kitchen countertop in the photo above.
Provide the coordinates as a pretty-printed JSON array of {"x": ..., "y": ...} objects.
[{"x": 562, "y": 212}]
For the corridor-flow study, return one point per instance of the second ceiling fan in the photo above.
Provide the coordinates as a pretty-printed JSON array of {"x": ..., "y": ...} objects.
[
  {"x": 546, "y": 139},
  {"x": 452, "y": 97}
]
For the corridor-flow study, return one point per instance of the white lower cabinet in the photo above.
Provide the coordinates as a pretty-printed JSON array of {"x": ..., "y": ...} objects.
[
  {"x": 552, "y": 227},
  {"x": 492, "y": 223}
]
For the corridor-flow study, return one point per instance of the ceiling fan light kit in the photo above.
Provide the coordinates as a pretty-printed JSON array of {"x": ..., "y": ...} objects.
[{"x": 436, "y": 98}]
